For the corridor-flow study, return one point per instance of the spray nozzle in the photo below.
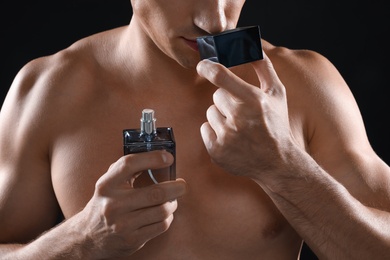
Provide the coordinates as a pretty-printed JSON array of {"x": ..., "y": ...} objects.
[{"x": 148, "y": 122}]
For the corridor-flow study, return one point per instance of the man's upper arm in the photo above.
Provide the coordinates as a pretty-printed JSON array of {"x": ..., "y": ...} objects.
[
  {"x": 27, "y": 201},
  {"x": 339, "y": 142}
]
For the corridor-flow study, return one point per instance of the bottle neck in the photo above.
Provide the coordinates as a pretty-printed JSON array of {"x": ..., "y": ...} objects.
[{"x": 148, "y": 137}]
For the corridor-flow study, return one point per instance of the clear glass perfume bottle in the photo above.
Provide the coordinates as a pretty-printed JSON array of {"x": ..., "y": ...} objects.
[{"x": 149, "y": 138}]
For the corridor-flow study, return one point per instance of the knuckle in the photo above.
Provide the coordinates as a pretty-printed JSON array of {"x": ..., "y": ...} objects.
[
  {"x": 124, "y": 161},
  {"x": 211, "y": 111},
  {"x": 165, "y": 224},
  {"x": 166, "y": 210},
  {"x": 218, "y": 95},
  {"x": 101, "y": 187},
  {"x": 107, "y": 208}
]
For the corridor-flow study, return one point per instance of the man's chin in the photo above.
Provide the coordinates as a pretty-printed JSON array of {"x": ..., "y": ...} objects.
[{"x": 188, "y": 63}]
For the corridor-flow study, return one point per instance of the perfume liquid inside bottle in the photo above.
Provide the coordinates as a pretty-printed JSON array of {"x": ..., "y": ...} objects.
[{"x": 149, "y": 138}]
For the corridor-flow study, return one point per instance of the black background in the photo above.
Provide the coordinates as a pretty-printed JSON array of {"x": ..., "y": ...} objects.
[{"x": 353, "y": 36}]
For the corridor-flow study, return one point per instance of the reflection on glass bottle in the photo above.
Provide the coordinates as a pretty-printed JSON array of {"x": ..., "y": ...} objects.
[{"x": 149, "y": 138}]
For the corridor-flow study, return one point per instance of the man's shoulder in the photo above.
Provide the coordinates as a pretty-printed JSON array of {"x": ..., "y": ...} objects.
[
  {"x": 291, "y": 59},
  {"x": 80, "y": 59},
  {"x": 53, "y": 83},
  {"x": 56, "y": 71},
  {"x": 303, "y": 68}
]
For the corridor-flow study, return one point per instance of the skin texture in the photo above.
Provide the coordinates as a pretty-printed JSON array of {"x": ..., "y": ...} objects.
[{"x": 268, "y": 154}]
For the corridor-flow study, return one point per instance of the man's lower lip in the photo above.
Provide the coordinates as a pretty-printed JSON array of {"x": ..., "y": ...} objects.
[{"x": 192, "y": 44}]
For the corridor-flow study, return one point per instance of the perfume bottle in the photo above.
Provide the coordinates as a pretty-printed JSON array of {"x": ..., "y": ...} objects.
[{"x": 150, "y": 138}]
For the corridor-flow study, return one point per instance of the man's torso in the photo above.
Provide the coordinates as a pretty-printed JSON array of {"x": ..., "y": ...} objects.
[{"x": 222, "y": 216}]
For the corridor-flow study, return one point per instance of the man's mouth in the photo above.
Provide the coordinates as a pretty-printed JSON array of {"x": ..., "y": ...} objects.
[{"x": 191, "y": 43}]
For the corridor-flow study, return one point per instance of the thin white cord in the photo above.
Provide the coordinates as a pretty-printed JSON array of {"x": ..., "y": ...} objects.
[{"x": 151, "y": 176}]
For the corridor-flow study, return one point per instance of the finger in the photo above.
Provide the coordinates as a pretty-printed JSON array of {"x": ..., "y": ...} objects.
[
  {"x": 149, "y": 232},
  {"x": 222, "y": 77},
  {"x": 155, "y": 194},
  {"x": 225, "y": 103},
  {"x": 208, "y": 135},
  {"x": 269, "y": 80},
  {"x": 151, "y": 215},
  {"x": 215, "y": 118},
  {"x": 129, "y": 166},
  {"x": 137, "y": 236}
]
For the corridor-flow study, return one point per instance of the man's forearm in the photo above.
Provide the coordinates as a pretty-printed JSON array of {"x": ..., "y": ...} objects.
[
  {"x": 61, "y": 242},
  {"x": 332, "y": 222}
]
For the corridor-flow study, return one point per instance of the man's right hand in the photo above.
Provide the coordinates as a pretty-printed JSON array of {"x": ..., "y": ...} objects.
[{"x": 120, "y": 219}]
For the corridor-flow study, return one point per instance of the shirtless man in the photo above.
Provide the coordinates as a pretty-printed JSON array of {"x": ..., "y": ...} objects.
[{"x": 257, "y": 175}]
